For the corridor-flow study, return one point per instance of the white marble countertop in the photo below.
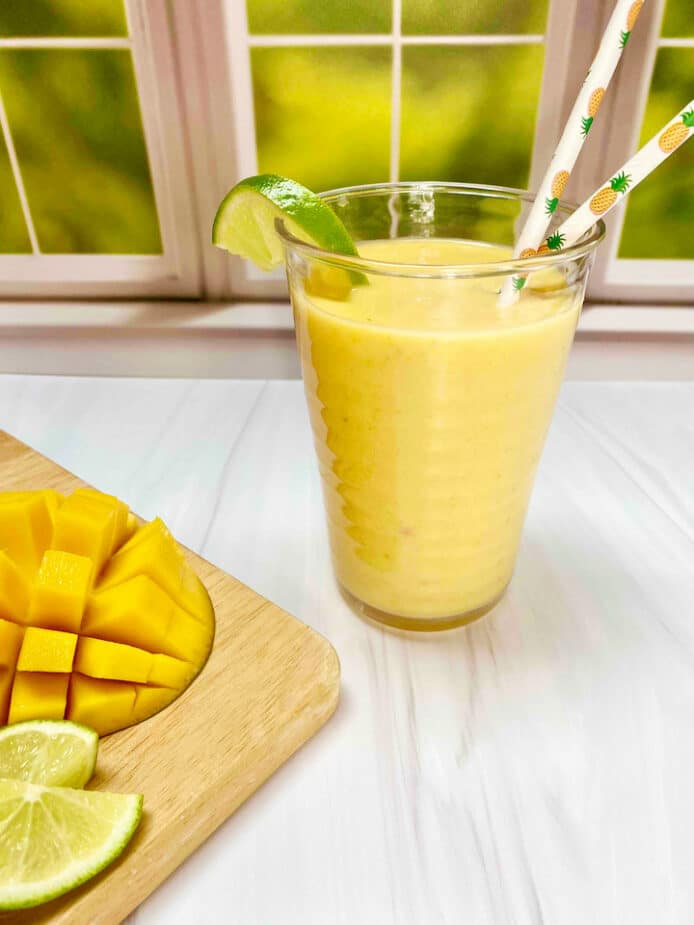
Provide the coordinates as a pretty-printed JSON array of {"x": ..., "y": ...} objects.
[{"x": 535, "y": 768}]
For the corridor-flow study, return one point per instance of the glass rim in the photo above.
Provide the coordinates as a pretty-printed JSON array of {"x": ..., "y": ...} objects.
[{"x": 584, "y": 246}]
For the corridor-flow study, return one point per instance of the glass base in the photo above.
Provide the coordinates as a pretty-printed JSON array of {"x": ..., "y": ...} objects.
[{"x": 416, "y": 624}]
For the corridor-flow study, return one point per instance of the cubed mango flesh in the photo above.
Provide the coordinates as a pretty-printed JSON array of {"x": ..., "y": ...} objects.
[
  {"x": 47, "y": 650},
  {"x": 113, "y": 661},
  {"x": 186, "y": 637},
  {"x": 110, "y": 655},
  {"x": 38, "y": 695},
  {"x": 150, "y": 700},
  {"x": 153, "y": 551},
  {"x": 85, "y": 527},
  {"x": 53, "y": 501},
  {"x": 103, "y": 705},
  {"x": 6, "y": 681},
  {"x": 26, "y": 526},
  {"x": 137, "y": 612},
  {"x": 120, "y": 511},
  {"x": 60, "y": 591},
  {"x": 14, "y": 590},
  {"x": 170, "y": 672},
  {"x": 10, "y": 643}
]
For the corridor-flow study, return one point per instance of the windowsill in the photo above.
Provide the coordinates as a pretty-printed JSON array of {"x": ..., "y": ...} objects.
[
  {"x": 255, "y": 340},
  {"x": 275, "y": 317}
]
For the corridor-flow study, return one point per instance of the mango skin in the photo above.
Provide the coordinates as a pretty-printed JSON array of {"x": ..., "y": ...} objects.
[{"x": 102, "y": 621}]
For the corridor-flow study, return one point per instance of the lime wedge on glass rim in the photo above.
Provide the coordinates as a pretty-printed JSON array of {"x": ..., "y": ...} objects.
[
  {"x": 245, "y": 220},
  {"x": 245, "y": 225},
  {"x": 52, "y": 839},
  {"x": 56, "y": 753}
]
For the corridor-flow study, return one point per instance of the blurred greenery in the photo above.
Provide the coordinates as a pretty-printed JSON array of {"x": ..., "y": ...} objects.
[
  {"x": 14, "y": 238},
  {"x": 323, "y": 114},
  {"x": 678, "y": 21},
  {"x": 474, "y": 17},
  {"x": 76, "y": 126},
  {"x": 659, "y": 221},
  {"x": 62, "y": 17},
  {"x": 468, "y": 112},
  {"x": 277, "y": 17}
]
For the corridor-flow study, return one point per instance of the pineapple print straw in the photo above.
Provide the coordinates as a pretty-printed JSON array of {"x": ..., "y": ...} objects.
[
  {"x": 575, "y": 132},
  {"x": 606, "y": 197}
]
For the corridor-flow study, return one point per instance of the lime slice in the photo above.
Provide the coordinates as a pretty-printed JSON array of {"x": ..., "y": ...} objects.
[
  {"x": 56, "y": 753},
  {"x": 245, "y": 220},
  {"x": 55, "y": 838}
]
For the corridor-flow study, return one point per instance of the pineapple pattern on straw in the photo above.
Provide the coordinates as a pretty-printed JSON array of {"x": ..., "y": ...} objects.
[
  {"x": 593, "y": 105},
  {"x": 632, "y": 16},
  {"x": 559, "y": 181},
  {"x": 554, "y": 242},
  {"x": 677, "y": 133},
  {"x": 606, "y": 197}
]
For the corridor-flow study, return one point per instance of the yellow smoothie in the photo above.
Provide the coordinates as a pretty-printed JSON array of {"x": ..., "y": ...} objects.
[{"x": 430, "y": 406}]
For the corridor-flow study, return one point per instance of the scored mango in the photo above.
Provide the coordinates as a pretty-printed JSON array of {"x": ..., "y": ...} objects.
[
  {"x": 26, "y": 524},
  {"x": 60, "y": 591},
  {"x": 14, "y": 590},
  {"x": 38, "y": 695},
  {"x": 102, "y": 621},
  {"x": 47, "y": 650}
]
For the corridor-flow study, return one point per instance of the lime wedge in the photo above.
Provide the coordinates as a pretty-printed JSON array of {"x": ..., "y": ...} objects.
[
  {"x": 245, "y": 220},
  {"x": 56, "y": 753},
  {"x": 54, "y": 838}
]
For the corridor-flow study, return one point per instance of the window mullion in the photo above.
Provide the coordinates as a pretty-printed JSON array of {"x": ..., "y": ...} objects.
[{"x": 161, "y": 121}]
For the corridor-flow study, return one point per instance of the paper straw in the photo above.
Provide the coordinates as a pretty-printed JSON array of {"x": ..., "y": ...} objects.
[
  {"x": 575, "y": 132},
  {"x": 670, "y": 137}
]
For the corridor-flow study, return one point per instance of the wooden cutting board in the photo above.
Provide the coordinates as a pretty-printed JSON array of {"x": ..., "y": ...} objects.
[{"x": 269, "y": 685}]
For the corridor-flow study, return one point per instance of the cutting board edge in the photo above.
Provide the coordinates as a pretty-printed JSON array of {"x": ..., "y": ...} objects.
[
  {"x": 81, "y": 907},
  {"x": 79, "y": 904}
]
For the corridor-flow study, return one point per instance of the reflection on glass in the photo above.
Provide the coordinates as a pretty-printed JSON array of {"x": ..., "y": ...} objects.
[
  {"x": 660, "y": 212},
  {"x": 468, "y": 112},
  {"x": 76, "y": 125},
  {"x": 323, "y": 114},
  {"x": 62, "y": 17},
  {"x": 473, "y": 17},
  {"x": 276, "y": 17}
]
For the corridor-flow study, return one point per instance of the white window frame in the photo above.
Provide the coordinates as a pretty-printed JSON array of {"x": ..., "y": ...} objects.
[
  {"x": 573, "y": 31},
  {"x": 621, "y": 279},
  {"x": 245, "y": 281},
  {"x": 192, "y": 66},
  {"x": 175, "y": 272}
]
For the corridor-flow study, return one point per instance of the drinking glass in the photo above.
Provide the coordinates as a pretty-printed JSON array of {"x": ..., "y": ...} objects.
[{"x": 429, "y": 401}]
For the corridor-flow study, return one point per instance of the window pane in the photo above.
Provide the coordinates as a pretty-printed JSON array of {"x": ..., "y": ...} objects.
[
  {"x": 678, "y": 21},
  {"x": 473, "y": 17},
  {"x": 62, "y": 17},
  {"x": 75, "y": 121},
  {"x": 660, "y": 212},
  {"x": 276, "y": 17},
  {"x": 468, "y": 113},
  {"x": 323, "y": 114},
  {"x": 14, "y": 238}
]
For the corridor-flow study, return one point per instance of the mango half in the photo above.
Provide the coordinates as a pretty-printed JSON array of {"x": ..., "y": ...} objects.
[{"x": 102, "y": 621}]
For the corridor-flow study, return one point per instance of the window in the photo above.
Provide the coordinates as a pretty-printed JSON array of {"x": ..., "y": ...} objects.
[
  {"x": 649, "y": 252},
  {"x": 122, "y": 122},
  {"x": 335, "y": 94},
  {"x": 90, "y": 152}
]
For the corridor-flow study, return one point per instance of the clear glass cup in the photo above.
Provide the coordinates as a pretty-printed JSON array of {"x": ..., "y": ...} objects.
[{"x": 429, "y": 403}]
